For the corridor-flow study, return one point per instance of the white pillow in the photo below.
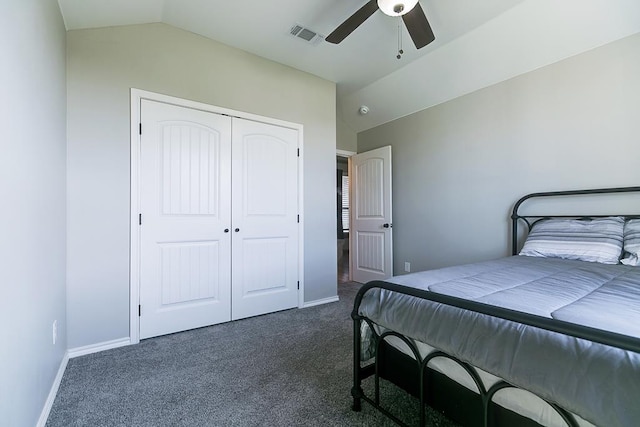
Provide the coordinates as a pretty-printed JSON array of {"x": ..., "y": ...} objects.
[
  {"x": 632, "y": 242},
  {"x": 596, "y": 240}
]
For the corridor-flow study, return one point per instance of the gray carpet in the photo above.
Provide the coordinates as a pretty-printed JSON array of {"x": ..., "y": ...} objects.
[{"x": 291, "y": 368}]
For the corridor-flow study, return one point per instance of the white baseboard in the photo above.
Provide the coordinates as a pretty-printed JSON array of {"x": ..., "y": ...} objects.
[
  {"x": 48, "y": 404},
  {"x": 320, "y": 301},
  {"x": 94, "y": 348}
]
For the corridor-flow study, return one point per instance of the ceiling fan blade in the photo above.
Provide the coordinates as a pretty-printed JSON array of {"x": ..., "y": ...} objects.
[
  {"x": 418, "y": 27},
  {"x": 353, "y": 22}
]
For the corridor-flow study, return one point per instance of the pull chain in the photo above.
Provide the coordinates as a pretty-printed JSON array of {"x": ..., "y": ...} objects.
[{"x": 400, "y": 51}]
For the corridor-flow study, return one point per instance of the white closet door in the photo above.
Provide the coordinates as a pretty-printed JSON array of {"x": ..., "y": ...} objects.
[
  {"x": 186, "y": 206},
  {"x": 371, "y": 222},
  {"x": 265, "y": 224}
]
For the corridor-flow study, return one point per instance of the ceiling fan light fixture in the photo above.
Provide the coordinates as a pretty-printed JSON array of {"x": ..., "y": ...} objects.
[{"x": 396, "y": 7}]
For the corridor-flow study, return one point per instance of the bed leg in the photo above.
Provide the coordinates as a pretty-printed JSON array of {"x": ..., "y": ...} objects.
[{"x": 356, "y": 392}]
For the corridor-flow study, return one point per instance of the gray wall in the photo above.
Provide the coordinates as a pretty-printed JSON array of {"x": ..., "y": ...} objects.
[
  {"x": 346, "y": 138},
  {"x": 103, "y": 65},
  {"x": 32, "y": 190},
  {"x": 459, "y": 166}
]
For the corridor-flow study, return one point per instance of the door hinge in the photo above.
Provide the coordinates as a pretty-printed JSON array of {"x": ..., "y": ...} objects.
[
  {"x": 139, "y": 219},
  {"x": 139, "y": 310},
  {"x": 140, "y": 128},
  {"x": 298, "y": 152},
  {"x": 298, "y": 219},
  {"x": 298, "y": 285}
]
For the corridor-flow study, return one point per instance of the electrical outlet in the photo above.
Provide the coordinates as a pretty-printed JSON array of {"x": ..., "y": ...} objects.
[
  {"x": 407, "y": 267},
  {"x": 55, "y": 331}
]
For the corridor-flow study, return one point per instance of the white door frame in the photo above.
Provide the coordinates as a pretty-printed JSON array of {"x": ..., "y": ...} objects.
[
  {"x": 345, "y": 153},
  {"x": 137, "y": 96},
  {"x": 348, "y": 154}
]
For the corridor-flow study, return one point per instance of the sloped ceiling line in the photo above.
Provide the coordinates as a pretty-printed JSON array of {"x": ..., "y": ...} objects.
[{"x": 478, "y": 43}]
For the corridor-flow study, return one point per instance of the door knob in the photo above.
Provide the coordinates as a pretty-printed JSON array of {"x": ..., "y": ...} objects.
[
  {"x": 226, "y": 230},
  {"x": 387, "y": 225},
  {"x": 237, "y": 229}
]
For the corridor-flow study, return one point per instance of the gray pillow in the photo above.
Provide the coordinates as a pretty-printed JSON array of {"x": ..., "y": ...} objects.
[
  {"x": 632, "y": 242},
  {"x": 596, "y": 240}
]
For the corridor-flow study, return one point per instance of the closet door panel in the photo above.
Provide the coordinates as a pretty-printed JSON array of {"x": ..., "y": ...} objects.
[
  {"x": 185, "y": 260},
  {"x": 265, "y": 224}
]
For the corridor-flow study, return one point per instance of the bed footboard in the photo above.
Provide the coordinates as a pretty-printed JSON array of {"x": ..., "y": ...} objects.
[{"x": 420, "y": 364}]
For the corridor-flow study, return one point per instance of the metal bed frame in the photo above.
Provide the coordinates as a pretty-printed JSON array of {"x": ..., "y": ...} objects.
[{"x": 596, "y": 335}]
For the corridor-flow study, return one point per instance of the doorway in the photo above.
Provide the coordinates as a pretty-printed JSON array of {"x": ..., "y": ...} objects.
[
  {"x": 364, "y": 234},
  {"x": 342, "y": 216}
]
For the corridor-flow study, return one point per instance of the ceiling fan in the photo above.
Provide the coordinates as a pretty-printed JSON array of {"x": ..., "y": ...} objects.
[{"x": 410, "y": 11}]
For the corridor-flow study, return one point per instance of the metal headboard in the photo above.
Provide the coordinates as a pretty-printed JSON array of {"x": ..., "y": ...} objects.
[{"x": 516, "y": 217}]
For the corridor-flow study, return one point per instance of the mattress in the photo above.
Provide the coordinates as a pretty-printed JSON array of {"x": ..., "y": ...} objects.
[{"x": 598, "y": 382}]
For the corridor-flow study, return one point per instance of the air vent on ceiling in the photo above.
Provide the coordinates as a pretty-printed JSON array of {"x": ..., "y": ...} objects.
[{"x": 310, "y": 36}]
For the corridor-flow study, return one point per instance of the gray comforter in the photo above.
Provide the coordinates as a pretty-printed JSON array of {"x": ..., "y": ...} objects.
[{"x": 597, "y": 382}]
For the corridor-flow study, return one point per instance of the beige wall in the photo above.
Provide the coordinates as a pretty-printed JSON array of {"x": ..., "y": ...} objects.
[
  {"x": 32, "y": 190},
  {"x": 459, "y": 166},
  {"x": 103, "y": 64}
]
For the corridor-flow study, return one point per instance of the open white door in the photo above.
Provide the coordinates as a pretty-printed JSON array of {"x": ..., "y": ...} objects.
[
  {"x": 371, "y": 221},
  {"x": 185, "y": 241}
]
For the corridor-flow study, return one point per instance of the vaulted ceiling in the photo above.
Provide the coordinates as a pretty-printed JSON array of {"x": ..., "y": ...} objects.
[{"x": 478, "y": 43}]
